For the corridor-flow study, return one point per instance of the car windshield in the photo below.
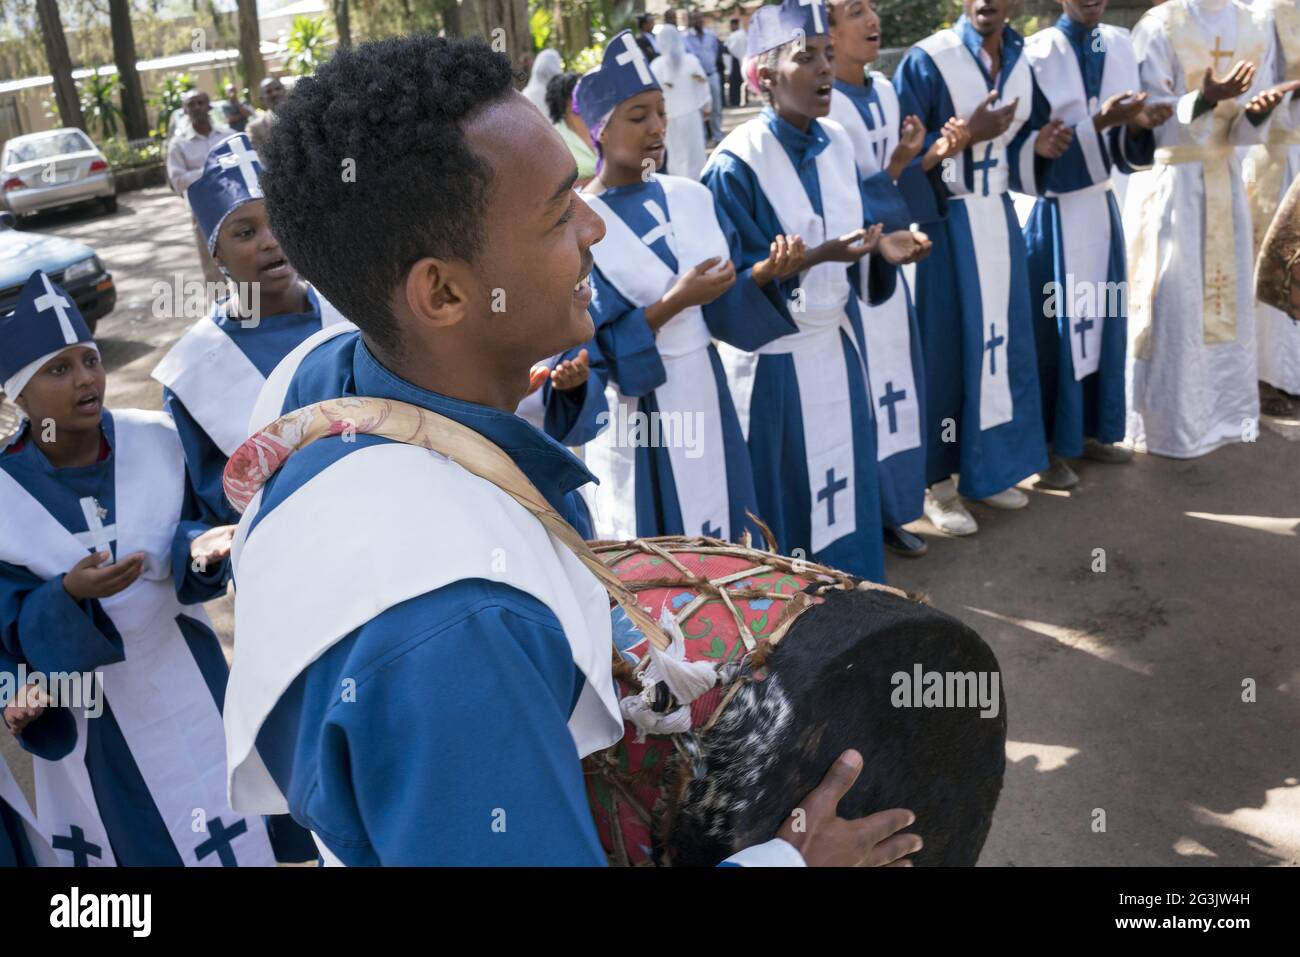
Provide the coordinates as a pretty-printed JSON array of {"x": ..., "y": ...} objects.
[{"x": 56, "y": 144}]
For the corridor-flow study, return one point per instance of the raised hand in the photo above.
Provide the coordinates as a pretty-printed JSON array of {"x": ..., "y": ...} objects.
[
  {"x": 1119, "y": 110},
  {"x": 904, "y": 246},
  {"x": 911, "y": 140},
  {"x": 827, "y": 840},
  {"x": 785, "y": 259},
  {"x": 848, "y": 248},
  {"x": 1237, "y": 82},
  {"x": 1153, "y": 115},
  {"x": 29, "y": 704},
  {"x": 86, "y": 580},
  {"x": 212, "y": 547},
  {"x": 953, "y": 139},
  {"x": 987, "y": 123},
  {"x": 1053, "y": 140},
  {"x": 571, "y": 373},
  {"x": 705, "y": 282},
  {"x": 1267, "y": 101}
]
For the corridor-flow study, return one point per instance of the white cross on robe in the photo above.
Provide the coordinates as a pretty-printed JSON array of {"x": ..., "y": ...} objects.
[
  {"x": 816, "y": 12},
  {"x": 632, "y": 54},
  {"x": 878, "y": 134},
  {"x": 99, "y": 536},
  {"x": 663, "y": 230},
  {"x": 243, "y": 157},
  {"x": 52, "y": 300}
]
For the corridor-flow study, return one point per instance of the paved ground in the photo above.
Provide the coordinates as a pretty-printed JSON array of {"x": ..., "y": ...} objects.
[{"x": 1124, "y": 688}]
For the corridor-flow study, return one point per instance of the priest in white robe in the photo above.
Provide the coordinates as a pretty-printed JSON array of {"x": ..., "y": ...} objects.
[{"x": 1191, "y": 299}]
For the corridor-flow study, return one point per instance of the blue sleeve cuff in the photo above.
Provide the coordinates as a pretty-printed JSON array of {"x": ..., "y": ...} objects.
[
  {"x": 194, "y": 585},
  {"x": 56, "y": 633},
  {"x": 631, "y": 354},
  {"x": 885, "y": 203},
  {"x": 747, "y": 316},
  {"x": 924, "y": 193}
]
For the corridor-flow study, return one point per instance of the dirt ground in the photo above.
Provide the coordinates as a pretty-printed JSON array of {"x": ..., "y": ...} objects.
[{"x": 1124, "y": 687}]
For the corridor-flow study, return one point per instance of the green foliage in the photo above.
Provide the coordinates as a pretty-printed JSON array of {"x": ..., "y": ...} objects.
[
  {"x": 307, "y": 45},
  {"x": 167, "y": 99},
  {"x": 587, "y": 59},
  {"x": 540, "y": 25},
  {"x": 99, "y": 106},
  {"x": 903, "y": 22},
  {"x": 122, "y": 155}
]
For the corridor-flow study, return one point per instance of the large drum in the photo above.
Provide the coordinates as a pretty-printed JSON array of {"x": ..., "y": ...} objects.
[{"x": 777, "y": 666}]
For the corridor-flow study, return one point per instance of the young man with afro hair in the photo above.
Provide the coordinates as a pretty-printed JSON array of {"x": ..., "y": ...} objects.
[{"x": 419, "y": 664}]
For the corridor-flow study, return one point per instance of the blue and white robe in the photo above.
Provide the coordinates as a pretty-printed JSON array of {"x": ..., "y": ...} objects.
[
  {"x": 143, "y": 783},
  {"x": 983, "y": 411},
  {"x": 22, "y": 842},
  {"x": 888, "y": 336},
  {"x": 212, "y": 376},
  {"x": 424, "y": 699},
  {"x": 325, "y": 366},
  {"x": 697, "y": 479},
  {"x": 1075, "y": 235},
  {"x": 802, "y": 397}
]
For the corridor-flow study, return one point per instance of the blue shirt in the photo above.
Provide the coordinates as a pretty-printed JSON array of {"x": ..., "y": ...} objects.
[
  {"x": 456, "y": 748},
  {"x": 705, "y": 47}
]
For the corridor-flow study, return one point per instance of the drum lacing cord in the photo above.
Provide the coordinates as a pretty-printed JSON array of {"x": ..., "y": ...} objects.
[{"x": 824, "y": 581}]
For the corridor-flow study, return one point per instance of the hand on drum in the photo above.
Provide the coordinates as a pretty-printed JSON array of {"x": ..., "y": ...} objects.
[{"x": 827, "y": 840}]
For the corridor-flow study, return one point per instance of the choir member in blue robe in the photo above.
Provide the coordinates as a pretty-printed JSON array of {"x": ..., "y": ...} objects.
[
  {"x": 212, "y": 375},
  {"x": 95, "y": 577},
  {"x": 803, "y": 396},
  {"x": 983, "y": 411},
  {"x": 425, "y": 695},
  {"x": 1087, "y": 74},
  {"x": 673, "y": 460},
  {"x": 884, "y": 144}
]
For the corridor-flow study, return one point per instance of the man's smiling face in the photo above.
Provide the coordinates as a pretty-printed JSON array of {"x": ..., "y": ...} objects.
[{"x": 536, "y": 260}]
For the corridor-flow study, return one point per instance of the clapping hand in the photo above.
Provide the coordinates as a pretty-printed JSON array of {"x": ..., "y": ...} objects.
[
  {"x": 1214, "y": 91},
  {"x": 1053, "y": 140},
  {"x": 571, "y": 373},
  {"x": 785, "y": 259}
]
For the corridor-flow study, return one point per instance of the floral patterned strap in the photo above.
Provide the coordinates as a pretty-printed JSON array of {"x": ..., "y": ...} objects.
[{"x": 262, "y": 455}]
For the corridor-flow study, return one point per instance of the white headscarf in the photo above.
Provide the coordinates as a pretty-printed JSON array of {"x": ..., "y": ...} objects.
[
  {"x": 547, "y": 65},
  {"x": 671, "y": 48}
]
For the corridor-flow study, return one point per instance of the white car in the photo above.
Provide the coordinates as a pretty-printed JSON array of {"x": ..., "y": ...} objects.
[{"x": 54, "y": 168}]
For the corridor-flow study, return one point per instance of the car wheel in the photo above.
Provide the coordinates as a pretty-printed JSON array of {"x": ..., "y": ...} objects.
[{"x": 110, "y": 204}]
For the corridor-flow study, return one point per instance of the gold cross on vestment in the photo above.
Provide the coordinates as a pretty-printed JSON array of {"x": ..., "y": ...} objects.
[{"x": 1219, "y": 53}]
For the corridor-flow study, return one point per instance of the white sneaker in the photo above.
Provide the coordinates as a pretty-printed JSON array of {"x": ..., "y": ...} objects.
[
  {"x": 1010, "y": 499},
  {"x": 948, "y": 514}
]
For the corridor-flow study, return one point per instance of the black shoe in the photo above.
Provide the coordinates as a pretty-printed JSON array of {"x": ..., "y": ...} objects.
[{"x": 902, "y": 542}]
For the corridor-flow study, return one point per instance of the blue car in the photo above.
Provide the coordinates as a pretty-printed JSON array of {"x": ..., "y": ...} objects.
[{"x": 71, "y": 264}]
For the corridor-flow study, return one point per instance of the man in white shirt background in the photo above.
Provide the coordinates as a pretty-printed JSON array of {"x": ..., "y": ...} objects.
[{"x": 187, "y": 152}]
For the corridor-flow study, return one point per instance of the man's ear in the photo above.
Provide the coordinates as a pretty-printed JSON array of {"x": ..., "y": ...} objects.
[{"x": 437, "y": 292}]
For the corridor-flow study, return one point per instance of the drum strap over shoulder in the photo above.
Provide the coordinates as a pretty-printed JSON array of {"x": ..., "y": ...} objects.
[{"x": 265, "y": 452}]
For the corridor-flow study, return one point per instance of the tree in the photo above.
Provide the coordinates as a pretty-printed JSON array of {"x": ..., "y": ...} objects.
[
  {"x": 504, "y": 24},
  {"x": 342, "y": 26},
  {"x": 306, "y": 47},
  {"x": 133, "y": 114},
  {"x": 56, "y": 54},
  {"x": 99, "y": 104},
  {"x": 250, "y": 45}
]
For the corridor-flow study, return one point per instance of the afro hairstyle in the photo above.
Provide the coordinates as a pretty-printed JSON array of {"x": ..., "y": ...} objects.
[{"x": 367, "y": 169}]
